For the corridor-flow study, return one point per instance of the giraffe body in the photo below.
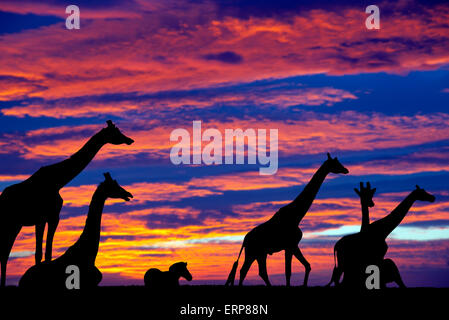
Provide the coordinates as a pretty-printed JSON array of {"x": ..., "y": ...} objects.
[{"x": 42, "y": 197}]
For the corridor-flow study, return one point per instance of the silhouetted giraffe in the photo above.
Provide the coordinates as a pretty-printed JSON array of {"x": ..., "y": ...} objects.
[
  {"x": 356, "y": 251},
  {"x": 366, "y": 202},
  {"x": 281, "y": 232},
  {"x": 36, "y": 201},
  {"x": 388, "y": 268},
  {"x": 52, "y": 274}
]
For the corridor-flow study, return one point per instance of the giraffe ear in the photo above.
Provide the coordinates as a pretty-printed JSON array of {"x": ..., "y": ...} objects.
[
  {"x": 329, "y": 156},
  {"x": 107, "y": 175},
  {"x": 357, "y": 191}
]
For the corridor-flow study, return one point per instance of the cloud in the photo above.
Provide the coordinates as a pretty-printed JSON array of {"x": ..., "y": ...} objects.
[
  {"x": 308, "y": 133},
  {"x": 143, "y": 192},
  {"x": 122, "y": 105},
  {"x": 20, "y": 254},
  {"x": 89, "y": 9},
  {"x": 225, "y": 56},
  {"x": 158, "y": 51},
  {"x": 18, "y": 87},
  {"x": 19, "y": 177}
]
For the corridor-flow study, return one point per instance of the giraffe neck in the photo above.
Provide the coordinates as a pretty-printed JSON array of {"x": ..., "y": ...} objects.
[
  {"x": 383, "y": 227},
  {"x": 68, "y": 169},
  {"x": 86, "y": 248},
  {"x": 305, "y": 199},
  {"x": 365, "y": 215}
]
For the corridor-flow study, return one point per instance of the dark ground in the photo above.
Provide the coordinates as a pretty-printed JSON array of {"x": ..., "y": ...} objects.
[{"x": 135, "y": 302}]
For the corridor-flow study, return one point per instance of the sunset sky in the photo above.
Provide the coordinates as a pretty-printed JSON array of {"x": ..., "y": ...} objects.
[{"x": 377, "y": 99}]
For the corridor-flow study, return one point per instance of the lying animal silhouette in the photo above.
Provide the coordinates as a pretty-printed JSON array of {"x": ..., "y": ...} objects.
[{"x": 155, "y": 278}]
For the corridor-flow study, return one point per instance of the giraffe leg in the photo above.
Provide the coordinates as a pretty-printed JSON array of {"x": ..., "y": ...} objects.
[
  {"x": 298, "y": 255},
  {"x": 399, "y": 281},
  {"x": 390, "y": 273},
  {"x": 336, "y": 275},
  {"x": 288, "y": 266},
  {"x": 7, "y": 239},
  {"x": 246, "y": 265},
  {"x": 98, "y": 277},
  {"x": 3, "y": 262},
  {"x": 52, "y": 225},
  {"x": 262, "y": 262},
  {"x": 94, "y": 277},
  {"x": 40, "y": 227}
]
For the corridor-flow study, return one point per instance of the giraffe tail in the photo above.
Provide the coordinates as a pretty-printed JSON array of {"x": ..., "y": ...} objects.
[
  {"x": 233, "y": 272},
  {"x": 334, "y": 272},
  {"x": 335, "y": 257}
]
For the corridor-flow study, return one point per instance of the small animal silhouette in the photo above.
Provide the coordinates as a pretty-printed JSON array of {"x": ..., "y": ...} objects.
[
  {"x": 155, "y": 278},
  {"x": 281, "y": 232},
  {"x": 356, "y": 251},
  {"x": 52, "y": 274},
  {"x": 36, "y": 201}
]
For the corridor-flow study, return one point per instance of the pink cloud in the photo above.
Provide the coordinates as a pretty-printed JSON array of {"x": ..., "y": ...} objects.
[
  {"x": 158, "y": 56},
  {"x": 313, "y": 133},
  {"x": 281, "y": 98}
]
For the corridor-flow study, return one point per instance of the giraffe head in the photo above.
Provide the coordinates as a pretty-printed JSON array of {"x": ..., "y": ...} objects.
[
  {"x": 423, "y": 195},
  {"x": 114, "y": 190},
  {"x": 114, "y": 136},
  {"x": 335, "y": 166},
  {"x": 180, "y": 269},
  {"x": 366, "y": 194}
]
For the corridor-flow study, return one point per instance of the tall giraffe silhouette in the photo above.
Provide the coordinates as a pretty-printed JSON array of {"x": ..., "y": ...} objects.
[
  {"x": 282, "y": 232},
  {"x": 36, "y": 201},
  {"x": 84, "y": 252},
  {"x": 356, "y": 251}
]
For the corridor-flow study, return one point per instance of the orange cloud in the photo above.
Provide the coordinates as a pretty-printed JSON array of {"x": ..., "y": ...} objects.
[
  {"x": 142, "y": 192},
  {"x": 18, "y": 177},
  {"x": 161, "y": 58}
]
